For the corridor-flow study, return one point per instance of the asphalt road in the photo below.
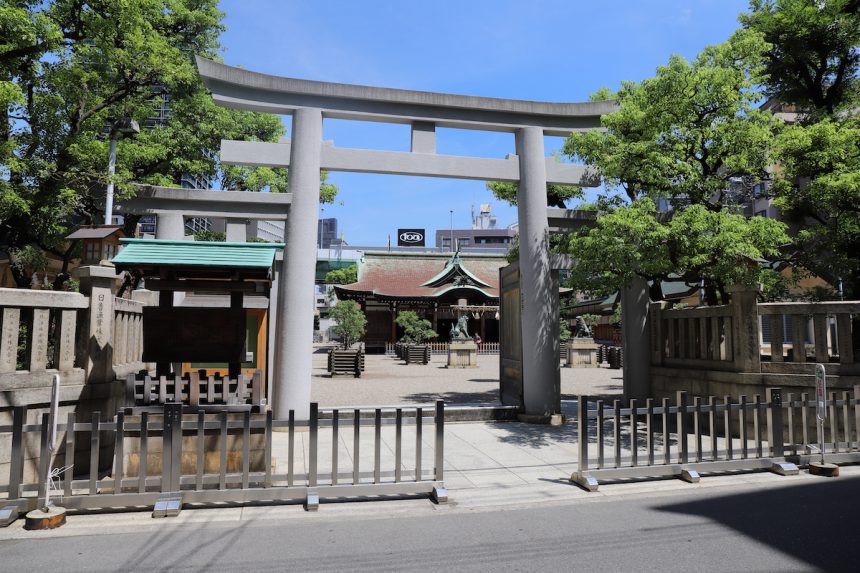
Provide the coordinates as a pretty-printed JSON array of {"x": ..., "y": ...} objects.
[{"x": 814, "y": 527}]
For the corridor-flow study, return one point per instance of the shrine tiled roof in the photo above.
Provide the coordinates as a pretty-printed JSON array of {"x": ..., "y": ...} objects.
[{"x": 423, "y": 275}]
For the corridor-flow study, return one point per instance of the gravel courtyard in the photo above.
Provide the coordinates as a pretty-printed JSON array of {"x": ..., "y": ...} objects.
[{"x": 388, "y": 381}]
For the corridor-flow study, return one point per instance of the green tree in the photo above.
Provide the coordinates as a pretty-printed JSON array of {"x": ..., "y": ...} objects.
[
  {"x": 695, "y": 244},
  {"x": 688, "y": 136},
  {"x": 344, "y": 276},
  {"x": 216, "y": 236},
  {"x": 556, "y": 195},
  {"x": 812, "y": 60},
  {"x": 563, "y": 330},
  {"x": 68, "y": 69},
  {"x": 416, "y": 330},
  {"x": 818, "y": 189},
  {"x": 350, "y": 322},
  {"x": 812, "y": 64}
]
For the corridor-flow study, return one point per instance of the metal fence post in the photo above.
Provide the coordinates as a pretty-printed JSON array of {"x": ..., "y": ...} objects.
[
  {"x": 16, "y": 462},
  {"x": 312, "y": 447},
  {"x": 171, "y": 447},
  {"x": 440, "y": 439},
  {"x": 582, "y": 432},
  {"x": 44, "y": 461},
  {"x": 682, "y": 427},
  {"x": 312, "y": 501},
  {"x": 775, "y": 433},
  {"x": 439, "y": 493},
  {"x": 774, "y": 422}
]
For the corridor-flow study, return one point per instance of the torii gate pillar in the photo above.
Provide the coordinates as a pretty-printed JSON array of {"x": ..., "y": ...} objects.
[
  {"x": 541, "y": 376},
  {"x": 291, "y": 380}
]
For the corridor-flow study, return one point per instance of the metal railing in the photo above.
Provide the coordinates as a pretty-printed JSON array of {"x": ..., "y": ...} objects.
[
  {"x": 278, "y": 460},
  {"x": 713, "y": 435}
]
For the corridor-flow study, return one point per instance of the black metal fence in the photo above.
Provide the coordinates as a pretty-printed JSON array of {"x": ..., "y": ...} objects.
[
  {"x": 687, "y": 437},
  {"x": 265, "y": 467}
]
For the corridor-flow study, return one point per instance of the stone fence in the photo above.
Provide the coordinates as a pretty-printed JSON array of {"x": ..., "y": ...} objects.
[
  {"x": 91, "y": 339},
  {"x": 745, "y": 347}
]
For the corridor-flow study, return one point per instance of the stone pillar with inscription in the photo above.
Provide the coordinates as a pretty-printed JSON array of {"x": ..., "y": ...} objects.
[
  {"x": 635, "y": 303},
  {"x": 745, "y": 329},
  {"x": 96, "y": 333}
]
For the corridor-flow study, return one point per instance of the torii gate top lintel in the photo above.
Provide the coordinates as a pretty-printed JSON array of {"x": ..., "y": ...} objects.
[{"x": 243, "y": 89}]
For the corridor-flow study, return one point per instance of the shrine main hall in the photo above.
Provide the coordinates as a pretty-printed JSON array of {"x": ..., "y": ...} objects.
[{"x": 438, "y": 287}]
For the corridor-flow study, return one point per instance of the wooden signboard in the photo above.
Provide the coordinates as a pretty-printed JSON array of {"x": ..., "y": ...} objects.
[{"x": 193, "y": 334}]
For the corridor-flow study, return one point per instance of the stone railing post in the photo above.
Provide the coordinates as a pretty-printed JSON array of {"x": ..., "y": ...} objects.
[
  {"x": 745, "y": 329},
  {"x": 95, "y": 346},
  {"x": 146, "y": 298},
  {"x": 655, "y": 322}
]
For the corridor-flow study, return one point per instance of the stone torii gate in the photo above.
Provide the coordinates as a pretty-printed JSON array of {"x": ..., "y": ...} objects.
[
  {"x": 171, "y": 205},
  {"x": 306, "y": 154}
]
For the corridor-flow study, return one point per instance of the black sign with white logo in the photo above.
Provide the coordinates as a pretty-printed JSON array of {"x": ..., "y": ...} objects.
[{"x": 410, "y": 237}]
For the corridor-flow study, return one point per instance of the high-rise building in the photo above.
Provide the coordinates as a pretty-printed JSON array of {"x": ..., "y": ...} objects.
[{"x": 327, "y": 232}]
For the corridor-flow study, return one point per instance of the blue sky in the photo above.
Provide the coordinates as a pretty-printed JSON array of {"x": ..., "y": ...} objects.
[{"x": 552, "y": 50}]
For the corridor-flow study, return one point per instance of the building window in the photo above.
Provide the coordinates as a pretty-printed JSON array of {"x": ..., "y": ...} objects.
[
  {"x": 446, "y": 242},
  {"x": 462, "y": 242}
]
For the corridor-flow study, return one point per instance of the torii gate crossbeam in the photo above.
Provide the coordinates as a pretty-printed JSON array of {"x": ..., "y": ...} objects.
[{"x": 306, "y": 154}]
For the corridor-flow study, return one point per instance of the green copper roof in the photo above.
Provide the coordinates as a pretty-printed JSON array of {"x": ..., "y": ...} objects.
[{"x": 149, "y": 252}]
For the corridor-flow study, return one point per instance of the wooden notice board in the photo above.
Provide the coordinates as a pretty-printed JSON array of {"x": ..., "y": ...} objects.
[{"x": 193, "y": 334}]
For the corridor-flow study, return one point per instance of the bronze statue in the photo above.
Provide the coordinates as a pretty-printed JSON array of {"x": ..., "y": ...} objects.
[
  {"x": 460, "y": 331},
  {"x": 581, "y": 329}
]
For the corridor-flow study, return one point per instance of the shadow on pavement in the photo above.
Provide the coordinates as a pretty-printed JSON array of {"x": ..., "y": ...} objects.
[
  {"x": 490, "y": 397},
  {"x": 818, "y": 523},
  {"x": 537, "y": 435}
]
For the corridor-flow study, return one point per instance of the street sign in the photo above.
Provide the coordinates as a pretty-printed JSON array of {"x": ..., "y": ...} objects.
[{"x": 820, "y": 392}]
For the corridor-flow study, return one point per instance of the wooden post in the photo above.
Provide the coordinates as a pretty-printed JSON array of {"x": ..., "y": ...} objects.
[{"x": 236, "y": 301}]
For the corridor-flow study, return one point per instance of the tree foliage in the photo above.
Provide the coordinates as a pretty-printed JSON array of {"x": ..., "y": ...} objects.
[
  {"x": 68, "y": 70},
  {"x": 556, "y": 195},
  {"x": 692, "y": 137},
  {"x": 416, "y": 330},
  {"x": 812, "y": 64},
  {"x": 818, "y": 189},
  {"x": 350, "y": 322},
  {"x": 812, "y": 60},
  {"x": 344, "y": 276},
  {"x": 695, "y": 244}
]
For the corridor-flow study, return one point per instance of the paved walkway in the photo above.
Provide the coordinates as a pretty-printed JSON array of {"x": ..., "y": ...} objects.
[{"x": 388, "y": 380}]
